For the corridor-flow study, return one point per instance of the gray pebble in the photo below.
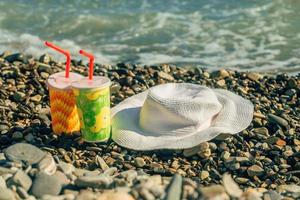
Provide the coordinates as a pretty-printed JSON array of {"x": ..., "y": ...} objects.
[
  {"x": 46, "y": 184},
  {"x": 175, "y": 188},
  {"x": 99, "y": 181},
  {"x": 22, "y": 179},
  {"x": 6, "y": 194},
  {"x": 24, "y": 152}
]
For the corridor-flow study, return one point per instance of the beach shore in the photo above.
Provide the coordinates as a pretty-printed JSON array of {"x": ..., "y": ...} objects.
[{"x": 261, "y": 162}]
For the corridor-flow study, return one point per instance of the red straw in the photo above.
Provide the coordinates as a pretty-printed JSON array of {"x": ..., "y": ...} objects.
[
  {"x": 91, "y": 65},
  {"x": 66, "y": 53}
]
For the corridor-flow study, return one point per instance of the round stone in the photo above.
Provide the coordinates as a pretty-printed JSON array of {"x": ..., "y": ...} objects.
[
  {"x": 46, "y": 184},
  {"x": 139, "y": 162}
]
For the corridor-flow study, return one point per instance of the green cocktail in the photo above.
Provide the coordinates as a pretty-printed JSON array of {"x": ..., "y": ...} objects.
[{"x": 93, "y": 105}]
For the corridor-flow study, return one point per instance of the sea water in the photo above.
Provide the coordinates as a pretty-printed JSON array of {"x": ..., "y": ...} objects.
[{"x": 254, "y": 35}]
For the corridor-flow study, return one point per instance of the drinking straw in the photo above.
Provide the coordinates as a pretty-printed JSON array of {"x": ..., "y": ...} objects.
[
  {"x": 66, "y": 53},
  {"x": 91, "y": 64}
]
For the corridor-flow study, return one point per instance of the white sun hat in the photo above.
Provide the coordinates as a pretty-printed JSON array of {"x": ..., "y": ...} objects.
[{"x": 178, "y": 116}]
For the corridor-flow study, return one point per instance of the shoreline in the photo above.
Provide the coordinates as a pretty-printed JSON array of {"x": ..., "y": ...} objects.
[{"x": 265, "y": 156}]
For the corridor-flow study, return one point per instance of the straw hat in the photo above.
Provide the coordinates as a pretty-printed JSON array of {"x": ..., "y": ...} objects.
[{"x": 178, "y": 116}]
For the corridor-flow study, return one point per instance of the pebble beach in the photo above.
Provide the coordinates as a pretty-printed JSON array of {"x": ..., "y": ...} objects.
[{"x": 261, "y": 162}]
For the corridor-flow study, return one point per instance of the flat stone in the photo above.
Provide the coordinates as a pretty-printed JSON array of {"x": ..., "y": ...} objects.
[
  {"x": 255, "y": 170},
  {"x": 165, "y": 76},
  {"x": 111, "y": 171},
  {"x": 194, "y": 150},
  {"x": 46, "y": 184},
  {"x": 66, "y": 168},
  {"x": 101, "y": 163},
  {"x": 62, "y": 177},
  {"x": 47, "y": 165},
  {"x": 175, "y": 188},
  {"x": 22, "y": 193},
  {"x": 20, "y": 178},
  {"x": 99, "y": 181},
  {"x": 129, "y": 175},
  {"x": 115, "y": 196},
  {"x": 278, "y": 120},
  {"x": 231, "y": 187},
  {"x": 24, "y": 152},
  {"x": 214, "y": 192},
  {"x": 254, "y": 76},
  {"x": 6, "y": 194},
  {"x": 2, "y": 182},
  {"x": 139, "y": 162},
  {"x": 263, "y": 132},
  {"x": 4, "y": 170},
  {"x": 291, "y": 188},
  {"x": 252, "y": 194}
]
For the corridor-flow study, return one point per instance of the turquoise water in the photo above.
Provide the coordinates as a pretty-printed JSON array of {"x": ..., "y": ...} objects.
[{"x": 261, "y": 35}]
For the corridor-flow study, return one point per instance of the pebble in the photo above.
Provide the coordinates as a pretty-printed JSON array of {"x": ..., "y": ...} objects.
[
  {"x": 101, "y": 163},
  {"x": 46, "y": 184},
  {"x": 139, "y": 162},
  {"x": 20, "y": 178},
  {"x": 220, "y": 74},
  {"x": 165, "y": 76},
  {"x": 23, "y": 152},
  {"x": 255, "y": 170},
  {"x": 47, "y": 164},
  {"x": 214, "y": 192},
  {"x": 175, "y": 188},
  {"x": 204, "y": 174},
  {"x": 254, "y": 76},
  {"x": 37, "y": 98},
  {"x": 99, "y": 181},
  {"x": 17, "y": 135},
  {"x": 115, "y": 196},
  {"x": 6, "y": 194},
  {"x": 66, "y": 168},
  {"x": 2, "y": 182},
  {"x": 278, "y": 120},
  {"x": 231, "y": 187},
  {"x": 272, "y": 145}
]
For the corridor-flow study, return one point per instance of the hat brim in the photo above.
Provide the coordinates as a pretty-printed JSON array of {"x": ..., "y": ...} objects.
[{"x": 236, "y": 115}]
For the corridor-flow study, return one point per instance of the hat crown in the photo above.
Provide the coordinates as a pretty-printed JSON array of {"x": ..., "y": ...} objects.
[{"x": 171, "y": 106}]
